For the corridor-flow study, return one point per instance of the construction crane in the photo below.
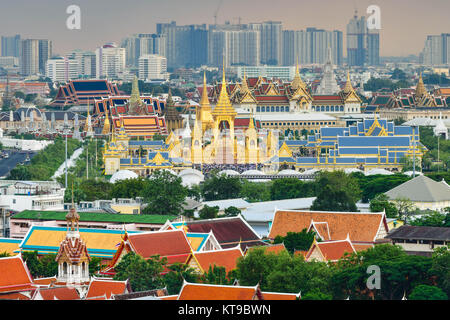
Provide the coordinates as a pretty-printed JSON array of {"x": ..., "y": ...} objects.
[{"x": 217, "y": 11}]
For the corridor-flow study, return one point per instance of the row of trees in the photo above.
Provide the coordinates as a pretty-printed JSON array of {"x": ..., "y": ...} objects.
[
  {"x": 44, "y": 164},
  {"x": 416, "y": 277}
]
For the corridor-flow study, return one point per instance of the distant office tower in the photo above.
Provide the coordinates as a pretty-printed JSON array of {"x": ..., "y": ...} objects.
[
  {"x": 141, "y": 44},
  {"x": 11, "y": 46},
  {"x": 233, "y": 46},
  {"x": 310, "y": 46},
  {"x": 29, "y": 58},
  {"x": 86, "y": 62},
  {"x": 363, "y": 45},
  {"x": 110, "y": 61},
  {"x": 436, "y": 50},
  {"x": 45, "y": 53},
  {"x": 62, "y": 69},
  {"x": 34, "y": 56},
  {"x": 185, "y": 45},
  {"x": 152, "y": 67},
  {"x": 270, "y": 41}
]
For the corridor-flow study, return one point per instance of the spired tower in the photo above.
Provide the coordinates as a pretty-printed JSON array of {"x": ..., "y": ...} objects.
[
  {"x": 174, "y": 120},
  {"x": 73, "y": 257},
  {"x": 328, "y": 84},
  {"x": 223, "y": 116},
  {"x": 136, "y": 106},
  {"x": 204, "y": 112}
]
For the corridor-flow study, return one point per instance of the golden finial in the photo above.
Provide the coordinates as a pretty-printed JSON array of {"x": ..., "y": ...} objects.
[
  {"x": 348, "y": 85},
  {"x": 204, "y": 100}
]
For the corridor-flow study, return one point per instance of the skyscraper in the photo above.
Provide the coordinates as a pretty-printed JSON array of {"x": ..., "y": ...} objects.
[
  {"x": 270, "y": 41},
  {"x": 363, "y": 45},
  {"x": 142, "y": 44},
  {"x": 310, "y": 46},
  {"x": 233, "y": 45},
  {"x": 185, "y": 45},
  {"x": 436, "y": 50},
  {"x": 34, "y": 56},
  {"x": 11, "y": 46},
  {"x": 62, "y": 69}
]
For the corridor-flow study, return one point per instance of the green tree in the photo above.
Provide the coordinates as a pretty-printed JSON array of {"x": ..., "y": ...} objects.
[
  {"x": 431, "y": 219},
  {"x": 33, "y": 263},
  {"x": 425, "y": 292},
  {"x": 218, "y": 275},
  {"x": 164, "y": 194},
  {"x": 290, "y": 188},
  {"x": 208, "y": 212},
  {"x": 220, "y": 187},
  {"x": 297, "y": 240},
  {"x": 4, "y": 254},
  {"x": 49, "y": 265},
  {"x": 178, "y": 272},
  {"x": 142, "y": 274},
  {"x": 232, "y": 211},
  {"x": 95, "y": 265},
  {"x": 315, "y": 294},
  {"x": 381, "y": 202},
  {"x": 441, "y": 268},
  {"x": 337, "y": 191},
  {"x": 128, "y": 188},
  {"x": 404, "y": 207},
  {"x": 20, "y": 172},
  {"x": 256, "y": 191}
]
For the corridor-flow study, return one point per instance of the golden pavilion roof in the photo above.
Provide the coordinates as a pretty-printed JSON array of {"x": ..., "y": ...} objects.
[
  {"x": 223, "y": 106},
  {"x": 420, "y": 89},
  {"x": 297, "y": 82}
]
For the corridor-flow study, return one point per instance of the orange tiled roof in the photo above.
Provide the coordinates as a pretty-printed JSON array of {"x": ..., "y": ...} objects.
[
  {"x": 163, "y": 243},
  {"x": 197, "y": 291},
  {"x": 332, "y": 250},
  {"x": 361, "y": 227},
  {"x": 62, "y": 293},
  {"x": 45, "y": 281},
  {"x": 14, "y": 296},
  {"x": 100, "y": 287},
  {"x": 224, "y": 258},
  {"x": 14, "y": 275},
  {"x": 279, "y": 296}
]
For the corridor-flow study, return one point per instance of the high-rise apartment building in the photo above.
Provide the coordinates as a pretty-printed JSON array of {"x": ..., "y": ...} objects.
[
  {"x": 34, "y": 55},
  {"x": 436, "y": 50},
  {"x": 61, "y": 69},
  {"x": 232, "y": 45},
  {"x": 110, "y": 61},
  {"x": 363, "y": 45},
  {"x": 185, "y": 45},
  {"x": 310, "y": 46},
  {"x": 86, "y": 62},
  {"x": 270, "y": 41},
  {"x": 11, "y": 46},
  {"x": 153, "y": 67},
  {"x": 142, "y": 44}
]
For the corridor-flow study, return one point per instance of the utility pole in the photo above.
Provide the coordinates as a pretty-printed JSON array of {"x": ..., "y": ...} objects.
[
  {"x": 87, "y": 159},
  {"x": 65, "y": 129}
]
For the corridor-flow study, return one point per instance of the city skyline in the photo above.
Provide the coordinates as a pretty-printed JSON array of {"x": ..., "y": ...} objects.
[{"x": 47, "y": 19}]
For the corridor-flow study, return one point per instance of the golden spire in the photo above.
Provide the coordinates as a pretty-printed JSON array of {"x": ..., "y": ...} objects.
[
  {"x": 420, "y": 89},
  {"x": 204, "y": 100},
  {"x": 244, "y": 85},
  {"x": 223, "y": 106},
  {"x": 251, "y": 125},
  {"x": 297, "y": 82},
  {"x": 348, "y": 85},
  {"x": 87, "y": 117},
  {"x": 106, "y": 125}
]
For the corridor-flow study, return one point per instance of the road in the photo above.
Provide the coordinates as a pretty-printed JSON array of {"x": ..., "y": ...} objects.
[{"x": 15, "y": 157}]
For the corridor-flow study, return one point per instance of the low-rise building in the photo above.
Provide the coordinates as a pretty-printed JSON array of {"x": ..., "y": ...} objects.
[
  {"x": 425, "y": 193},
  {"x": 420, "y": 240},
  {"x": 31, "y": 195}
]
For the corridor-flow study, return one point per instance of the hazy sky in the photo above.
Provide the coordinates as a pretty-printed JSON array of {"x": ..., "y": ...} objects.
[{"x": 405, "y": 23}]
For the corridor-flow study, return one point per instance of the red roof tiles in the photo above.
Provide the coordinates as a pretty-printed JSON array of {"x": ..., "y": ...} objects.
[
  {"x": 14, "y": 275},
  {"x": 226, "y": 258},
  {"x": 331, "y": 250},
  {"x": 196, "y": 291},
  {"x": 62, "y": 293},
  {"x": 360, "y": 227},
  {"x": 101, "y": 287}
]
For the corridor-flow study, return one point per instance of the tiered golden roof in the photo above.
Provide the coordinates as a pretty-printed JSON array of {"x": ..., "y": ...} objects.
[
  {"x": 297, "y": 82},
  {"x": 420, "y": 89},
  {"x": 224, "y": 106}
]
